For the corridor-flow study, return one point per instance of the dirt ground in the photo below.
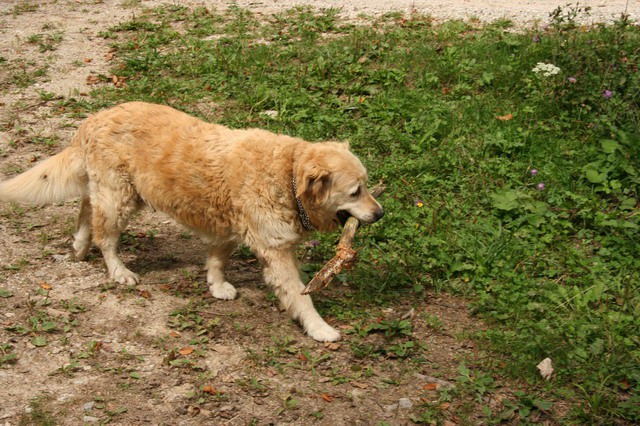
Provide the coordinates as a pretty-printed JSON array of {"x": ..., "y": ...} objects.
[{"x": 77, "y": 349}]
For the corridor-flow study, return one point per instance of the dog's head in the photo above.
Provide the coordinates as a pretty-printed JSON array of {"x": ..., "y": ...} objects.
[{"x": 332, "y": 184}]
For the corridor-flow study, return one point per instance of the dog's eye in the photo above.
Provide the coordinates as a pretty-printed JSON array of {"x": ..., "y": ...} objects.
[{"x": 356, "y": 193}]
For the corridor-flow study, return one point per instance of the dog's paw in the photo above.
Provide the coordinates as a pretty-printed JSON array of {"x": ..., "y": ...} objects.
[
  {"x": 323, "y": 332},
  {"x": 125, "y": 277},
  {"x": 80, "y": 250},
  {"x": 224, "y": 291}
]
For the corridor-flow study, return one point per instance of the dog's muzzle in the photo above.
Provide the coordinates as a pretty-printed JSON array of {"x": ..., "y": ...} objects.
[{"x": 375, "y": 216}]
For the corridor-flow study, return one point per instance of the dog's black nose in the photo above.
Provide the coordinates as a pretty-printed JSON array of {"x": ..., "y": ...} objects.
[{"x": 378, "y": 214}]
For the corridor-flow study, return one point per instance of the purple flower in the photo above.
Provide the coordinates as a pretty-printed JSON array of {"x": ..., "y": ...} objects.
[
  {"x": 572, "y": 80},
  {"x": 536, "y": 39},
  {"x": 313, "y": 243},
  {"x": 540, "y": 186},
  {"x": 533, "y": 172},
  {"x": 607, "y": 94}
]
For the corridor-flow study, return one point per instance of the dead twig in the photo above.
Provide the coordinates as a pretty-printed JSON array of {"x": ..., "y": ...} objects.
[{"x": 345, "y": 256}]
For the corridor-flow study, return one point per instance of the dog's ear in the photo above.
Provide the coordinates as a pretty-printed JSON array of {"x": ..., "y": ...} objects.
[{"x": 314, "y": 185}]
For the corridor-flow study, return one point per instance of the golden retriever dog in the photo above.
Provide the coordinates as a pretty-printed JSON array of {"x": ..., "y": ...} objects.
[{"x": 232, "y": 187}]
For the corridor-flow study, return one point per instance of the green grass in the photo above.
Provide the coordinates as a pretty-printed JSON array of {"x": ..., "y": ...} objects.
[{"x": 454, "y": 120}]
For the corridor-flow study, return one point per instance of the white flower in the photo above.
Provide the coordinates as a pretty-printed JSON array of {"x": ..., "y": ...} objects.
[{"x": 547, "y": 70}]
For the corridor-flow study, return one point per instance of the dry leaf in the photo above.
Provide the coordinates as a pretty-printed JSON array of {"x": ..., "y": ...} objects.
[
  {"x": 213, "y": 391},
  {"x": 430, "y": 386},
  {"x": 45, "y": 286},
  {"x": 186, "y": 351},
  {"x": 145, "y": 293},
  {"x": 505, "y": 117},
  {"x": 93, "y": 79},
  {"x": 87, "y": 60},
  {"x": 174, "y": 334},
  {"x": 332, "y": 346},
  {"x": 118, "y": 81},
  {"x": 410, "y": 314},
  {"x": 359, "y": 385},
  {"x": 326, "y": 397},
  {"x": 546, "y": 368},
  {"x": 193, "y": 411}
]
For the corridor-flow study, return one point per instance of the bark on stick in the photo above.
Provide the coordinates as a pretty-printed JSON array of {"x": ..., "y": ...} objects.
[{"x": 345, "y": 256}]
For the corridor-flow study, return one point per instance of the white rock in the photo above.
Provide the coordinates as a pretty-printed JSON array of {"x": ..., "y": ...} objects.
[{"x": 405, "y": 404}]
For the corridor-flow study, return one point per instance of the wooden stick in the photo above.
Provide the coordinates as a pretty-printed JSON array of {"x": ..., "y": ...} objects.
[{"x": 345, "y": 256}]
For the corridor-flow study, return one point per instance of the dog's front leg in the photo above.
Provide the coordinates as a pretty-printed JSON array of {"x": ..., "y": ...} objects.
[{"x": 281, "y": 271}]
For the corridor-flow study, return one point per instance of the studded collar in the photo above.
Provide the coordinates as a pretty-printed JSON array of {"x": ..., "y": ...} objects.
[{"x": 304, "y": 217}]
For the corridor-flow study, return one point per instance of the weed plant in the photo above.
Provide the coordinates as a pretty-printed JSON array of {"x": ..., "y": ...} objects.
[{"x": 511, "y": 160}]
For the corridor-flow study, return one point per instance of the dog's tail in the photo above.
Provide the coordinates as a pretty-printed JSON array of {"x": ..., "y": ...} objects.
[{"x": 53, "y": 180}]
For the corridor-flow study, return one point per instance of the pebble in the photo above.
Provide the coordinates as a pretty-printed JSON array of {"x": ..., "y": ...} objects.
[
  {"x": 88, "y": 406},
  {"x": 402, "y": 404},
  {"x": 90, "y": 419},
  {"x": 405, "y": 403}
]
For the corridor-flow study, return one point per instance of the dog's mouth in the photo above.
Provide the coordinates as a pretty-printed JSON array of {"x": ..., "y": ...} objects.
[{"x": 342, "y": 216}]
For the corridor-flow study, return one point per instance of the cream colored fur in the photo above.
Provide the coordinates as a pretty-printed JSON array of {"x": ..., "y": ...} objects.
[{"x": 230, "y": 186}]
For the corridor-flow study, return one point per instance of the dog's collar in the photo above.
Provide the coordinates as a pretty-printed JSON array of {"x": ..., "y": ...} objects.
[{"x": 304, "y": 217}]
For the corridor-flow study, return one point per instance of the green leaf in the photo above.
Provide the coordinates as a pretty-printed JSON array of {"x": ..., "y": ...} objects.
[
  {"x": 609, "y": 146},
  {"x": 49, "y": 326},
  {"x": 134, "y": 375},
  {"x": 5, "y": 293},
  {"x": 628, "y": 204},
  {"x": 507, "y": 200},
  {"x": 594, "y": 176},
  {"x": 542, "y": 404},
  {"x": 20, "y": 329},
  {"x": 39, "y": 341},
  {"x": 8, "y": 359}
]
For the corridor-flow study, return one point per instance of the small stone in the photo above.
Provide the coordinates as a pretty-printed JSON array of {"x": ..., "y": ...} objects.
[
  {"x": 90, "y": 419},
  {"x": 270, "y": 113},
  {"x": 88, "y": 406},
  {"x": 405, "y": 404},
  {"x": 402, "y": 404}
]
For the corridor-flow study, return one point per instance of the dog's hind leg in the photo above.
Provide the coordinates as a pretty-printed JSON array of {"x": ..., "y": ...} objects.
[
  {"x": 82, "y": 237},
  {"x": 111, "y": 210},
  {"x": 281, "y": 271},
  {"x": 216, "y": 262}
]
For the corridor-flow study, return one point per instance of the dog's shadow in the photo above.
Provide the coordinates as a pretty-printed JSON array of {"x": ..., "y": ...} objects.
[{"x": 172, "y": 257}]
